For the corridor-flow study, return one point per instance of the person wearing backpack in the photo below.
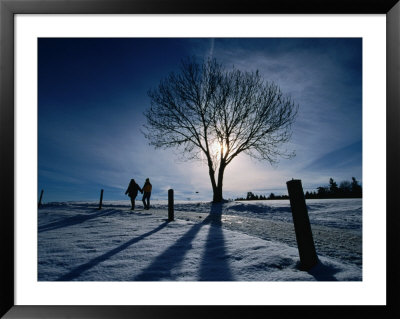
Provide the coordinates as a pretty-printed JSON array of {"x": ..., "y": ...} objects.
[{"x": 147, "y": 187}]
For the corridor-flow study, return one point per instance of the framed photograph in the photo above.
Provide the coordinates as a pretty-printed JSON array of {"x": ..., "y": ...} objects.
[{"x": 119, "y": 120}]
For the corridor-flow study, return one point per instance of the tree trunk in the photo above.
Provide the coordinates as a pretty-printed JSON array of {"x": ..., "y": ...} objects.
[
  {"x": 217, "y": 190},
  {"x": 217, "y": 197},
  {"x": 211, "y": 172}
]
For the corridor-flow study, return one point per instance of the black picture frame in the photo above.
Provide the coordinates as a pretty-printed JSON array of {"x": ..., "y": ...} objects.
[{"x": 9, "y": 8}]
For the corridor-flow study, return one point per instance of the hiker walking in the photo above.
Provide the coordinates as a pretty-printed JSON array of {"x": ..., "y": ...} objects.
[
  {"x": 132, "y": 191},
  {"x": 146, "y": 194}
]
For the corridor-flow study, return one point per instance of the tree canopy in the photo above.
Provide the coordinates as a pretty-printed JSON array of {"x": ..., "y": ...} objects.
[{"x": 214, "y": 114}]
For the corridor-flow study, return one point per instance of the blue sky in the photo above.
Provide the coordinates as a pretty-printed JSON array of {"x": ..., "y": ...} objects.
[{"x": 93, "y": 92}]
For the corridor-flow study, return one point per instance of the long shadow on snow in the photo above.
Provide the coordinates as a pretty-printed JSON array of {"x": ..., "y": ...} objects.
[
  {"x": 212, "y": 260},
  {"x": 74, "y": 220},
  {"x": 80, "y": 269},
  {"x": 214, "y": 265}
]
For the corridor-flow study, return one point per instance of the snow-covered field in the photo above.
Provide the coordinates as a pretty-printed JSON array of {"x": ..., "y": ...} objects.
[{"x": 232, "y": 241}]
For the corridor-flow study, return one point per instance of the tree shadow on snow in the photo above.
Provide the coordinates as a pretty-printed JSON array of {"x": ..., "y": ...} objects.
[
  {"x": 74, "y": 220},
  {"x": 213, "y": 263},
  {"x": 80, "y": 269}
]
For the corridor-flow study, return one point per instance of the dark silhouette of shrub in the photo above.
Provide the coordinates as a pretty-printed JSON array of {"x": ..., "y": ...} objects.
[{"x": 345, "y": 189}]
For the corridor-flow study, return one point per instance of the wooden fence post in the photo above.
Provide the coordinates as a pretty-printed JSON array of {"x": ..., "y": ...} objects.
[
  {"x": 302, "y": 227},
  {"x": 40, "y": 199},
  {"x": 170, "y": 205},
  {"x": 101, "y": 198}
]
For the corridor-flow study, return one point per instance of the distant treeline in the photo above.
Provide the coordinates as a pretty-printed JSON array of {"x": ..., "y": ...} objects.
[{"x": 345, "y": 189}]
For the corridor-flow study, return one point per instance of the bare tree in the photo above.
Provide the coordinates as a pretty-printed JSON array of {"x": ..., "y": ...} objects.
[{"x": 214, "y": 114}]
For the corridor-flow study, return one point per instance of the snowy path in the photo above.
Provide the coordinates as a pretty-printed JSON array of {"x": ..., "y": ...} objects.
[
  {"x": 344, "y": 244},
  {"x": 79, "y": 242}
]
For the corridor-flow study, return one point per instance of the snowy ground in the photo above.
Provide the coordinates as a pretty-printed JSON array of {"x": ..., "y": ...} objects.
[{"x": 233, "y": 241}]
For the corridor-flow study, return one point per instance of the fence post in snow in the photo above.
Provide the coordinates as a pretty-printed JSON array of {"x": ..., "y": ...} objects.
[
  {"x": 170, "y": 205},
  {"x": 40, "y": 199},
  {"x": 101, "y": 198},
  {"x": 302, "y": 227}
]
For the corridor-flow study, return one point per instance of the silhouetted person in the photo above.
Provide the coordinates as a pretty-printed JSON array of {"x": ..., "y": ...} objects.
[
  {"x": 146, "y": 193},
  {"x": 132, "y": 191}
]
